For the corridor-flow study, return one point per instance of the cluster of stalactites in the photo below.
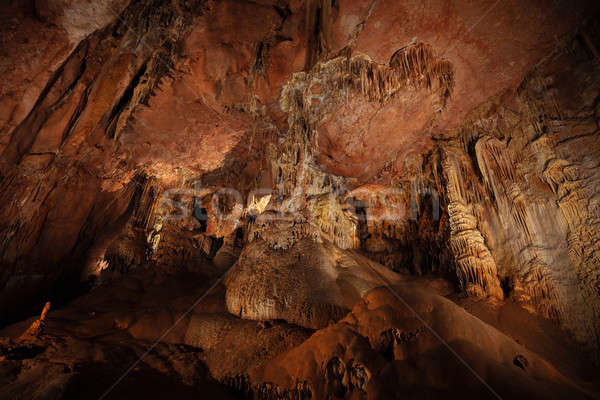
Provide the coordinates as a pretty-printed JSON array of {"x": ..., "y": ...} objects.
[
  {"x": 310, "y": 94},
  {"x": 475, "y": 267},
  {"x": 414, "y": 67},
  {"x": 418, "y": 64}
]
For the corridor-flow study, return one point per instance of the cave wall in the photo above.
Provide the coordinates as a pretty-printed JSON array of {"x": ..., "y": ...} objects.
[
  {"x": 477, "y": 142},
  {"x": 526, "y": 171}
]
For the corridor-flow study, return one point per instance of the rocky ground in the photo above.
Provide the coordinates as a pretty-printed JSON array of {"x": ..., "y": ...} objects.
[{"x": 174, "y": 335}]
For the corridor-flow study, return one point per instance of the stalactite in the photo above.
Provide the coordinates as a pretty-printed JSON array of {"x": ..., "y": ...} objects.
[
  {"x": 475, "y": 266},
  {"x": 418, "y": 64},
  {"x": 413, "y": 67}
]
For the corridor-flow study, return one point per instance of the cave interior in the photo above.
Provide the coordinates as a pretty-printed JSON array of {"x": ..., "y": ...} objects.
[{"x": 299, "y": 199}]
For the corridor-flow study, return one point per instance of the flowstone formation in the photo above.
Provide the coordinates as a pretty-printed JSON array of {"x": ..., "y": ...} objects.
[{"x": 299, "y": 199}]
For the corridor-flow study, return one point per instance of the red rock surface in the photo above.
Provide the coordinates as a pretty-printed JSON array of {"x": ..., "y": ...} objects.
[{"x": 282, "y": 163}]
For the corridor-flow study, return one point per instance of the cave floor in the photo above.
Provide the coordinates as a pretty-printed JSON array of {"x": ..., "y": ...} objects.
[{"x": 198, "y": 348}]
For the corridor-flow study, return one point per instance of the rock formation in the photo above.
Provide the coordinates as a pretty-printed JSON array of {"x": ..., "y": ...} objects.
[{"x": 282, "y": 199}]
